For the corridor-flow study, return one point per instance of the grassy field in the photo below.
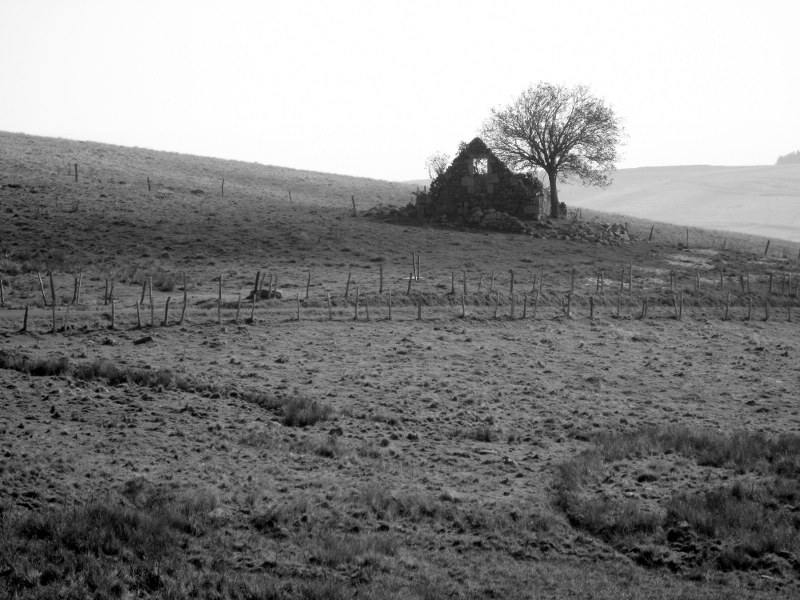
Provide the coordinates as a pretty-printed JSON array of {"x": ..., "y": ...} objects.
[
  {"x": 758, "y": 200},
  {"x": 311, "y": 444}
]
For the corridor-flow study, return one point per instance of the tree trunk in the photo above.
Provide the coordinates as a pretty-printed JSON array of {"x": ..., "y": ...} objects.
[{"x": 552, "y": 176}]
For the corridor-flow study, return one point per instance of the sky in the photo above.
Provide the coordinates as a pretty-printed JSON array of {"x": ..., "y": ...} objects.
[{"x": 372, "y": 88}]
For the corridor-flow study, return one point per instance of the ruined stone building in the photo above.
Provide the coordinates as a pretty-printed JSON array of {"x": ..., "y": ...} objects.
[{"x": 479, "y": 189}]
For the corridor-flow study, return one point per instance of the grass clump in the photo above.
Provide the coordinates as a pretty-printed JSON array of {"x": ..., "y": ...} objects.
[
  {"x": 102, "y": 370},
  {"x": 39, "y": 367},
  {"x": 361, "y": 550},
  {"x": 479, "y": 433},
  {"x": 105, "y": 548},
  {"x": 296, "y": 410},
  {"x": 741, "y": 526},
  {"x": 299, "y": 411}
]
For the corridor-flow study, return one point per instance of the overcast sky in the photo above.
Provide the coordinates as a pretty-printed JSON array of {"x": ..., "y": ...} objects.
[{"x": 373, "y": 88}]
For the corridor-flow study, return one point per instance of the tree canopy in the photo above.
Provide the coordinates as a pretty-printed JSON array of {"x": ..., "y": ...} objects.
[
  {"x": 566, "y": 131},
  {"x": 789, "y": 159}
]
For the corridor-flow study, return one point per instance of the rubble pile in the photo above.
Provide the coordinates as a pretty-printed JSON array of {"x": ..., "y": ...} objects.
[{"x": 607, "y": 234}]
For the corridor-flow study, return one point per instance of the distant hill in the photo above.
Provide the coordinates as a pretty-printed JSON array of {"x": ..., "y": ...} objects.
[{"x": 758, "y": 200}]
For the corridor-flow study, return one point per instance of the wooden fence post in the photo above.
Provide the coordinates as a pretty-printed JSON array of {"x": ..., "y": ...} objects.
[
  {"x": 183, "y": 309},
  {"x": 53, "y": 295},
  {"x": 380, "y": 285},
  {"x": 2, "y": 293},
  {"x": 41, "y": 287},
  {"x": 308, "y": 284},
  {"x": 328, "y": 300},
  {"x": 113, "y": 314},
  {"x": 630, "y": 281},
  {"x": 219, "y": 302},
  {"x": 152, "y": 307},
  {"x": 727, "y": 304},
  {"x": 410, "y": 277},
  {"x": 25, "y": 321},
  {"x": 166, "y": 311},
  {"x": 358, "y": 293},
  {"x": 138, "y": 316},
  {"x": 347, "y": 285}
]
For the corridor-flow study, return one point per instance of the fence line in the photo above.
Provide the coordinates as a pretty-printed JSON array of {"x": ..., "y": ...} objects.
[{"x": 731, "y": 296}]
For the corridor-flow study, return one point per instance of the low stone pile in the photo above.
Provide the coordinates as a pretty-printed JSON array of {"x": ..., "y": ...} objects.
[
  {"x": 496, "y": 220},
  {"x": 606, "y": 234}
]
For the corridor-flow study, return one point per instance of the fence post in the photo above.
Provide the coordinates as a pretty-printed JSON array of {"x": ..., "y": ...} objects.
[
  {"x": 53, "y": 295},
  {"x": 166, "y": 310},
  {"x": 219, "y": 302},
  {"x": 328, "y": 300}
]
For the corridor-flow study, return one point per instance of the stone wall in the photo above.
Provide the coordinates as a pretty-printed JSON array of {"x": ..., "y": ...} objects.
[{"x": 477, "y": 184}]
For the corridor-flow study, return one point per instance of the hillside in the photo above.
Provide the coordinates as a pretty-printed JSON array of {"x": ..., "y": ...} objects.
[
  {"x": 761, "y": 200},
  {"x": 563, "y": 414}
]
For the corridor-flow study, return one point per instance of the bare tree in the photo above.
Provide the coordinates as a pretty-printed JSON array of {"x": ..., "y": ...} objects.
[
  {"x": 567, "y": 132},
  {"x": 437, "y": 164}
]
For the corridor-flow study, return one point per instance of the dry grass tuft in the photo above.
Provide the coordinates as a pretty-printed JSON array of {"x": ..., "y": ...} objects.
[{"x": 741, "y": 526}]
